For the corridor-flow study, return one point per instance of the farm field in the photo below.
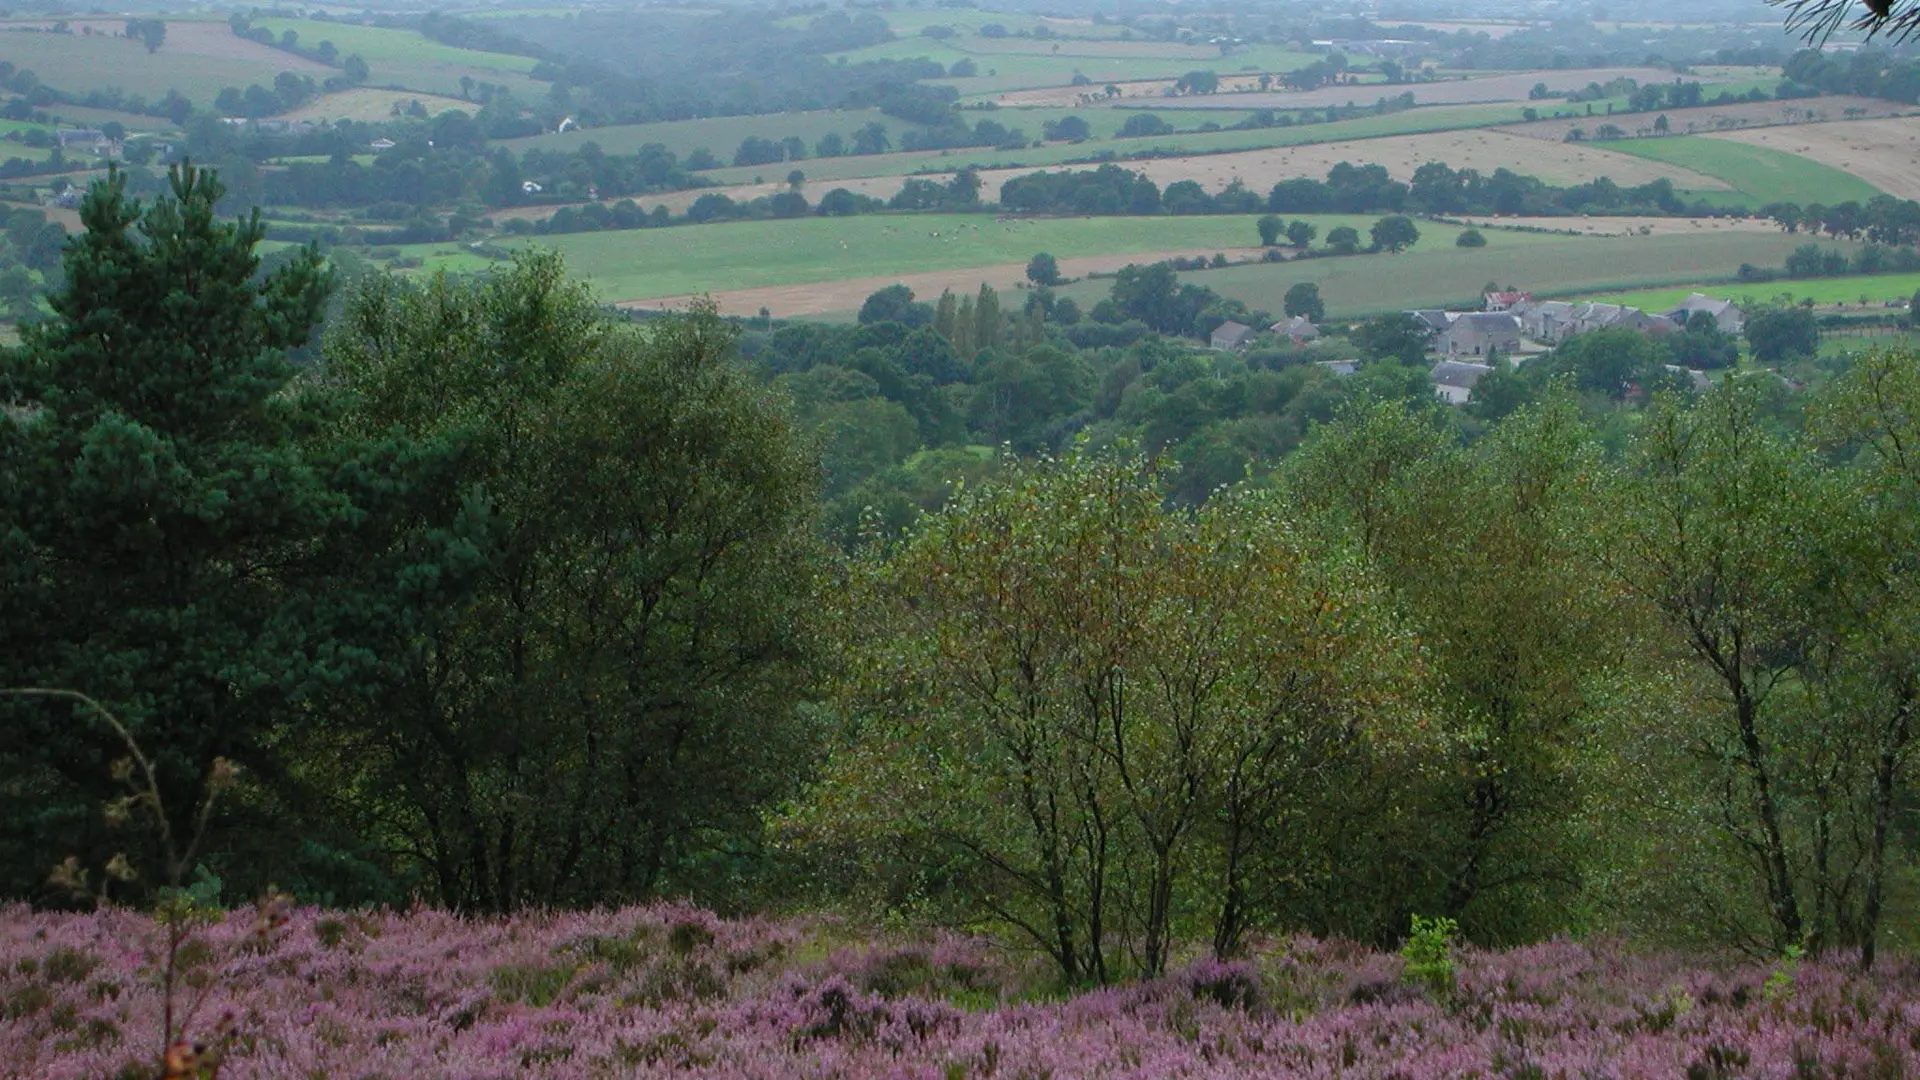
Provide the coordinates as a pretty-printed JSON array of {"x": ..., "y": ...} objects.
[
  {"x": 1836, "y": 292},
  {"x": 1435, "y": 273},
  {"x": 720, "y": 134},
  {"x": 1014, "y": 63},
  {"x": 1557, "y": 163},
  {"x": 372, "y": 106},
  {"x": 406, "y": 60},
  {"x": 1884, "y": 153},
  {"x": 1510, "y": 87},
  {"x": 1715, "y": 118},
  {"x": 1763, "y": 175},
  {"x": 198, "y": 59},
  {"x": 1412, "y": 121},
  {"x": 648, "y": 263}
]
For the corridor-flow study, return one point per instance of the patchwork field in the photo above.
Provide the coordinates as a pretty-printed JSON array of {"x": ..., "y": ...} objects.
[
  {"x": 1434, "y": 273},
  {"x": 1883, "y": 153},
  {"x": 1763, "y": 175},
  {"x": 198, "y": 59},
  {"x": 1017, "y": 63}
]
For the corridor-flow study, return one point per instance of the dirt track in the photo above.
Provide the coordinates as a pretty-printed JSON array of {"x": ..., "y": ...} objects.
[
  {"x": 1884, "y": 153},
  {"x": 847, "y": 294}
]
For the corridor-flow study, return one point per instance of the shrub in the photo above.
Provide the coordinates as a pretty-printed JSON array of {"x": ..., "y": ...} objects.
[
  {"x": 1429, "y": 955},
  {"x": 1470, "y": 239}
]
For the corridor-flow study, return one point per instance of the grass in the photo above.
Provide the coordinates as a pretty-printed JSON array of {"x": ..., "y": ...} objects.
[
  {"x": 77, "y": 64},
  {"x": 1877, "y": 288},
  {"x": 687, "y": 259},
  {"x": 1436, "y": 273},
  {"x": 1762, "y": 174},
  {"x": 1409, "y": 122}
]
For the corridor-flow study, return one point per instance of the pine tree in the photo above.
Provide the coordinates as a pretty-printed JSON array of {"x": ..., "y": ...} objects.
[{"x": 153, "y": 497}]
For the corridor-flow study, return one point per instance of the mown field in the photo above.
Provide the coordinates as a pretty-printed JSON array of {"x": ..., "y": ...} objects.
[
  {"x": 661, "y": 992},
  {"x": 1761, "y": 174},
  {"x": 405, "y": 59},
  {"x": 1433, "y": 273},
  {"x": 1848, "y": 291},
  {"x": 76, "y": 63},
  {"x": 1019, "y": 63},
  {"x": 644, "y": 263}
]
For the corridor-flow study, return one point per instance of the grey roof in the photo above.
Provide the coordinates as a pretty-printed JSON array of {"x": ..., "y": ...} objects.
[
  {"x": 1431, "y": 318},
  {"x": 1700, "y": 302},
  {"x": 1233, "y": 333},
  {"x": 1455, "y": 373},
  {"x": 1489, "y": 321},
  {"x": 1299, "y": 326}
]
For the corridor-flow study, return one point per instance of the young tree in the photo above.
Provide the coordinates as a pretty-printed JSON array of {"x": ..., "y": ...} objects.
[
  {"x": 1344, "y": 239},
  {"x": 1300, "y": 233},
  {"x": 155, "y": 508},
  {"x": 1094, "y": 711},
  {"x": 1270, "y": 226},
  {"x": 1304, "y": 299}
]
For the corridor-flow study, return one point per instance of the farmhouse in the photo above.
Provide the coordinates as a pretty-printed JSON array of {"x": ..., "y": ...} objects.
[
  {"x": 1232, "y": 336},
  {"x": 1546, "y": 320},
  {"x": 1299, "y": 330},
  {"x": 1726, "y": 314},
  {"x": 1478, "y": 333},
  {"x": 1506, "y": 301},
  {"x": 1454, "y": 380},
  {"x": 86, "y": 138},
  {"x": 378, "y": 145},
  {"x": 1432, "y": 319}
]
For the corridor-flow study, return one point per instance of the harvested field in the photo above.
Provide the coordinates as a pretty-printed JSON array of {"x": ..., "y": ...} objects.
[
  {"x": 1513, "y": 87},
  {"x": 1132, "y": 92},
  {"x": 1883, "y": 152},
  {"x": 1718, "y": 118},
  {"x": 847, "y": 294},
  {"x": 214, "y": 39},
  {"x": 372, "y": 106},
  {"x": 1562, "y": 164}
]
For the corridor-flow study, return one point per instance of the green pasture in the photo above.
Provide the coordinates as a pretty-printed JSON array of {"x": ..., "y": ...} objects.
[
  {"x": 1763, "y": 175},
  {"x": 1409, "y": 122},
  {"x": 720, "y": 134},
  {"x": 1846, "y": 291},
  {"x": 644, "y": 263},
  {"x": 76, "y": 64},
  {"x": 1007, "y": 64},
  {"x": 404, "y": 58},
  {"x": 1434, "y": 272},
  {"x": 82, "y": 116}
]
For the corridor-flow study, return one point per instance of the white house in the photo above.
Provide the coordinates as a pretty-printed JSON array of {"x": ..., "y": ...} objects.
[{"x": 1454, "y": 380}]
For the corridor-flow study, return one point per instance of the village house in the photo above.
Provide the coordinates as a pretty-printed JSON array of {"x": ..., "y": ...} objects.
[
  {"x": 1477, "y": 333},
  {"x": 1341, "y": 368},
  {"x": 1433, "y": 320},
  {"x": 381, "y": 144},
  {"x": 1726, "y": 314},
  {"x": 1232, "y": 336},
  {"x": 1506, "y": 301},
  {"x": 1454, "y": 380},
  {"x": 1544, "y": 320},
  {"x": 1298, "y": 330}
]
